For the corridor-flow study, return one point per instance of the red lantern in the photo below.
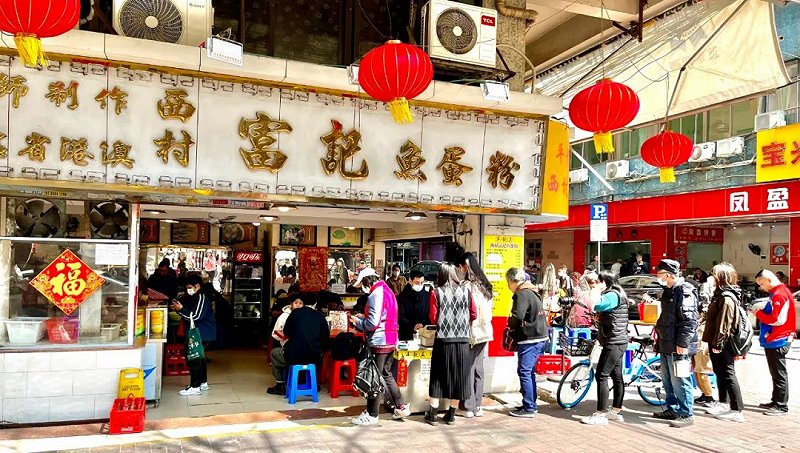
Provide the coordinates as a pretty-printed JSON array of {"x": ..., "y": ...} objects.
[
  {"x": 394, "y": 73},
  {"x": 667, "y": 150},
  {"x": 602, "y": 108},
  {"x": 30, "y": 20}
]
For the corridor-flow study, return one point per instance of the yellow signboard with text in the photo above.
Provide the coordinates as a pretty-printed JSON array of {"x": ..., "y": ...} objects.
[
  {"x": 555, "y": 193},
  {"x": 499, "y": 254},
  {"x": 778, "y": 154}
]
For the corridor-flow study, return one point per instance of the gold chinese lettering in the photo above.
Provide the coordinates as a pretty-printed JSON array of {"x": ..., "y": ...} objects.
[
  {"x": 180, "y": 149},
  {"x": 3, "y": 149},
  {"x": 501, "y": 170},
  {"x": 16, "y": 86},
  {"x": 261, "y": 133},
  {"x": 69, "y": 284},
  {"x": 58, "y": 93},
  {"x": 36, "y": 147},
  {"x": 175, "y": 106},
  {"x": 76, "y": 151},
  {"x": 451, "y": 168},
  {"x": 410, "y": 162},
  {"x": 119, "y": 97},
  {"x": 119, "y": 154},
  {"x": 342, "y": 147}
]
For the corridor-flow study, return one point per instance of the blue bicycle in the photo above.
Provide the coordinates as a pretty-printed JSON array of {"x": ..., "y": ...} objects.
[{"x": 644, "y": 373}]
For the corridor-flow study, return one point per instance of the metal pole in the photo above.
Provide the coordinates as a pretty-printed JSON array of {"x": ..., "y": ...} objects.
[{"x": 592, "y": 170}]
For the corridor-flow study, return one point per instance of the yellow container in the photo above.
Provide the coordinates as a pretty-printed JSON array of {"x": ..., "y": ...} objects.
[
  {"x": 140, "y": 321},
  {"x": 157, "y": 322},
  {"x": 651, "y": 312}
]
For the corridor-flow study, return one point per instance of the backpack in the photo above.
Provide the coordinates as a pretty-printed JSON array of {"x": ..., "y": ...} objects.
[
  {"x": 742, "y": 339},
  {"x": 344, "y": 346},
  {"x": 368, "y": 380}
]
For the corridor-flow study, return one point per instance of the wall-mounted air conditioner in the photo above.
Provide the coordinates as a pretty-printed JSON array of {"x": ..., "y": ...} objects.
[
  {"x": 617, "y": 169},
  {"x": 185, "y": 22},
  {"x": 703, "y": 152},
  {"x": 733, "y": 146},
  {"x": 578, "y": 176},
  {"x": 769, "y": 120},
  {"x": 457, "y": 32}
]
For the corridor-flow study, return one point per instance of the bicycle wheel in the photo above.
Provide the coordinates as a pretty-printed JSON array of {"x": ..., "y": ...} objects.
[
  {"x": 575, "y": 385},
  {"x": 649, "y": 383}
]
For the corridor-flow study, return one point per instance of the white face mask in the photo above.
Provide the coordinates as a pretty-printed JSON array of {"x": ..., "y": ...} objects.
[
  {"x": 417, "y": 288},
  {"x": 662, "y": 282},
  {"x": 190, "y": 291},
  {"x": 365, "y": 288},
  {"x": 396, "y": 274}
]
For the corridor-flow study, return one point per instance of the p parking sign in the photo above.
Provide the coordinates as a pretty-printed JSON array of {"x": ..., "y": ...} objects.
[{"x": 598, "y": 222}]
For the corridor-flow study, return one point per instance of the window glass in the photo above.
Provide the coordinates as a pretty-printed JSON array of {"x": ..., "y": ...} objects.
[
  {"x": 639, "y": 136},
  {"x": 743, "y": 117},
  {"x": 307, "y": 31},
  {"x": 719, "y": 123},
  {"x": 689, "y": 128},
  {"x": 574, "y": 162}
]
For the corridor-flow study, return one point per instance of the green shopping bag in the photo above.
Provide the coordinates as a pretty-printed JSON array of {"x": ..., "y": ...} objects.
[{"x": 194, "y": 343}]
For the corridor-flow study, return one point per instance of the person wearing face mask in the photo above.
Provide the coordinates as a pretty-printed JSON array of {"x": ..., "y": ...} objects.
[
  {"x": 195, "y": 306},
  {"x": 396, "y": 281},
  {"x": 412, "y": 306}
]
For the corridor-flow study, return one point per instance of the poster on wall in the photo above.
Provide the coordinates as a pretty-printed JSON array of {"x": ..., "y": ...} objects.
[
  {"x": 779, "y": 254},
  {"x": 237, "y": 233},
  {"x": 499, "y": 254},
  {"x": 313, "y": 268},
  {"x": 298, "y": 235},
  {"x": 191, "y": 232},
  {"x": 67, "y": 281},
  {"x": 344, "y": 237},
  {"x": 148, "y": 231}
]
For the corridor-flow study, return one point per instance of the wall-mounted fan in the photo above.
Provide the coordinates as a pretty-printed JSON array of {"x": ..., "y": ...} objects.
[
  {"x": 456, "y": 31},
  {"x": 108, "y": 220},
  {"x": 36, "y": 217},
  {"x": 213, "y": 220},
  {"x": 754, "y": 248},
  {"x": 157, "y": 20}
]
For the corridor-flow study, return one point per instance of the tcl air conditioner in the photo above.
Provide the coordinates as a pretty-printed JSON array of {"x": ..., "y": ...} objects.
[
  {"x": 578, "y": 176},
  {"x": 769, "y": 120},
  {"x": 703, "y": 152},
  {"x": 733, "y": 146},
  {"x": 185, "y": 22},
  {"x": 617, "y": 169},
  {"x": 454, "y": 31}
]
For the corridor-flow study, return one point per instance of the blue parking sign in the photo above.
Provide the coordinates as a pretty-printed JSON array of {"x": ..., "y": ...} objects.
[{"x": 599, "y": 211}]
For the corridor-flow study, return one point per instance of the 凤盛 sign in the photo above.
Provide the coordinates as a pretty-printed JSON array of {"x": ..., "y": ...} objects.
[{"x": 598, "y": 222}]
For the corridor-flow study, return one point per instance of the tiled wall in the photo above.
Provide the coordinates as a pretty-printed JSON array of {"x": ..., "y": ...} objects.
[{"x": 59, "y": 386}]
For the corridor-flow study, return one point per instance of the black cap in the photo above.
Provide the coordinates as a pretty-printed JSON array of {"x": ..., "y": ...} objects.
[
  {"x": 164, "y": 263},
  {"x": 671, "y": 266}
]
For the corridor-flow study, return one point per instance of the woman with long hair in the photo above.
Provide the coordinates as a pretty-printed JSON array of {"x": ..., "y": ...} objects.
[
  {"x": 611, "y": 305},
  {"x": 481, "y": 331},
  {"x": 721, "y": 324},
  {"x": 452, "y": 310}
]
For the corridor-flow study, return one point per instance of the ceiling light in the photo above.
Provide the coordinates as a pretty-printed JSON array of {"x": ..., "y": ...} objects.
[
  {"x": 284, "y": 207},
  {"x": 257, "y": 223},
  {"x": 416, "y": 215},
  {"x": 155, "y": 211},
  {"x": 351, "y": 228},
  {"x": 170, "y": 221},
  {"x": 760, "y": 224},
  {"x": 733, "y": 227},
  {"x": 268, "y": 218}
]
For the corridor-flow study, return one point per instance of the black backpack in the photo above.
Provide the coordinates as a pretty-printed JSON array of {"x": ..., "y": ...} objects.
[
  {"x": 368, "y": 381},
  {"x": 742, "y": 339}
]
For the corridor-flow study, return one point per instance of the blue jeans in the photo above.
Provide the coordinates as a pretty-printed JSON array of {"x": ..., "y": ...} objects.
[
  {"x": 527, "y": 356},
  {"x": 679, "y": 391}
]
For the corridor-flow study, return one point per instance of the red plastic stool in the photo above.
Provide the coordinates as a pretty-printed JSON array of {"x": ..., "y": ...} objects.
[{"x": 336, "y": 384}]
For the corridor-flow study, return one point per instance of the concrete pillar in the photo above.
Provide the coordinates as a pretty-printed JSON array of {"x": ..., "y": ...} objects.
[{"x": 511, "y": 31}]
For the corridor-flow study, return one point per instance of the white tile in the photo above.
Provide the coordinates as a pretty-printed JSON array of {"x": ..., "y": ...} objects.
[
  {"x": 26, "y": 410},
  {"x": 13, "y": 385},
  {"x": 92, "y": 382},
  {"x": 119, "y": 359},
  {"x": 27, "y": 361},
  {"x": 2, "y": 364},
  {"x": 63, "y": 408},
  {"x": 103, "y": 403},
  {"x": 49, "y": 383},
  {"x": 77, "y": 360}
]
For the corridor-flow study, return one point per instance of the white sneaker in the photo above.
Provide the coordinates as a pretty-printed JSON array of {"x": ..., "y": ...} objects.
[
  {"x": 204, "y": 386},
  {"x": 479, "y": 412},
  {"x": 732, "y": 416},
  {"x": 615, "y": 416},
  {"x": 189, "y": 391},
  {"x": 365, "y": 420},
  {"x": 400, "y": 414},
  {"x": 597, "y": 418},
  {"x": 469, "y": 414},
  {"x": 717, "y": 408}
]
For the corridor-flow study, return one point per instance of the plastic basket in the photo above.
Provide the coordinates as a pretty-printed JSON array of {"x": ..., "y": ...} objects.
[
  {"x": 575, "y": 346},
  {"x": 25, "y": 330},
  {"x": 109, "y": 332},
  {"x": 551, "y": 364},
  {"x": 127, "y": 416},
  {"x": 63, "y": 331}
]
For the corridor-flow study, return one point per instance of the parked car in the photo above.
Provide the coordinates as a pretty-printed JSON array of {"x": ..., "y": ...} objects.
[
  {"x": 430, "y": 269},
  {"x": 761, "y": 301},
  {"x": 639, "y": 286}
]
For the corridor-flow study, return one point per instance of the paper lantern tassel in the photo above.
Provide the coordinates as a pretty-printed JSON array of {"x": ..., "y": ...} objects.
[
  {"x": 30, "y": 50},
  {"x": 667, "y": 174},
  {"x": 603, "y": 143},
  {"x": 401, "y": 112}
]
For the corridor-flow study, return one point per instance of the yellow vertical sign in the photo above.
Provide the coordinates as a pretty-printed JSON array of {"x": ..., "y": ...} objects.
[
  {"x": 499, "y": 254},
  {"x": 778, "y": 153},
  {"x": 555, "y": 193}
]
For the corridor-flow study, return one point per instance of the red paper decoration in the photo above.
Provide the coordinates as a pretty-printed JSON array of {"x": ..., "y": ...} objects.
[
  {"x": 394, "y": 73},
  {"x": 29, "y": 20},
  {"x": 602, "y": 108},
  {"x": 667, "y": 150}
]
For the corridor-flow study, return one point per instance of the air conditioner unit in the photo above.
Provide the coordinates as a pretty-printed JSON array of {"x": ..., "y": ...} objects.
[
  {"x": 617, "y": 169},
  {"x": 454, "y": 31},
  {"x": 703, "y": 152},
  {"x": 578, "y": 176},
  {"x": 769, "y": 120},
  {"x": 730, "y": 147},
  {"x": 185, "y": 22}
]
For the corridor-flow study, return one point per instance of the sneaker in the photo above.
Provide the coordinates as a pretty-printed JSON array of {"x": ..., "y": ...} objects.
[
  {"x": 615, "y": 416},
  {"x": 430, "y": 417},
  {"x": 704, "y": 401},
  {"x": 597, "y": 418},
  {"x": 717, "y": 408},
  {"x": 682, "y": 421},
  {"x": 204, "y": 386},
  {"x": 523, "y": 413},
  {"x": 277, "y": 389},
  {"x": 189, "y": 391},
  {"x": 479, "y": 412},
  {"x": 365, "y": 420},
  {"x": 732, "y": 416},
  {"x": 399, "y": 414},
  {"x": 776, "y": 410},
  {"x": 469, "y": 414},
  {"x": 769, "y": 405},
  {"x": 668, "y": 414}
]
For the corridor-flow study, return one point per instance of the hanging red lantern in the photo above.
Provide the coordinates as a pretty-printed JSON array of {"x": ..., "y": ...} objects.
[
  {"x": 667, "y": 150},
  {"x": 30, "y": 20},
  {"x": 602, "y": 108},
  {"x": 394, "y": 73}
]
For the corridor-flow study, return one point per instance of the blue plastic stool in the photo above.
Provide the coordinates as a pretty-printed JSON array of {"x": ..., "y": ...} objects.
[
  {"x": 579, "y": 332},
  {"x": 293, "y": 390},
  {"x": 553, "y": 347}
]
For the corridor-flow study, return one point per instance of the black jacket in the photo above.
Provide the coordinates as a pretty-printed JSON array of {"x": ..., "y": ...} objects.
[
  {"x": 528, "y": 318},
  {"x": 412, "y": 308},
  {"x": 307, "y": 331},
  {"x": 612, "y": 326},
  {"x": 677, "y": 325}
]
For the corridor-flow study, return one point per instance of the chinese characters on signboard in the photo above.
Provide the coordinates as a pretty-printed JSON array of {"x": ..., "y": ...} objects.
[
  {"x": 699, "y": 234},
  {"x": 67, "y": 282},
  {"x": 776, "y": 199},
  {"x": 778, "y": 153}
]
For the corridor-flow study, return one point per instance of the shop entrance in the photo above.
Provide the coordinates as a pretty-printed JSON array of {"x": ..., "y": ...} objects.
[{"x": 623, "y": 252}]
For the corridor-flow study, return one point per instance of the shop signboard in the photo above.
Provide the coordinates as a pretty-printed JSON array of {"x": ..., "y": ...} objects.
[
  {"x": 779, "y": 254},
  {"x": 699, "y": 233},
  {"x": 253, "y": 257},
  {"x": 499, "y": 254},
  {"x": 778, "y": 153},
  {"x": 67, "y": 281},
  {"x": 598, "y": 223}
]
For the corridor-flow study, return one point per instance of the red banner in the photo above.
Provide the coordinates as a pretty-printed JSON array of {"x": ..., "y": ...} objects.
[
  {"x": 779, "y": 254},
  {"x": 313, "y": 268},
  {"x": 402, "y": 373},
  {"x": 250, "y": 257},
  {"x": 67, "y": 282},
  {"x": 699, "y": 234}
]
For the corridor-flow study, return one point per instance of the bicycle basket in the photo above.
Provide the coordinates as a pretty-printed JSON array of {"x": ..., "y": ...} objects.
[{"x": 575, "y": 346}]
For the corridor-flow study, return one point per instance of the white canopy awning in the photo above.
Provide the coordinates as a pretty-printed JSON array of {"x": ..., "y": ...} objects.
[{"x": 729, "y": 50}]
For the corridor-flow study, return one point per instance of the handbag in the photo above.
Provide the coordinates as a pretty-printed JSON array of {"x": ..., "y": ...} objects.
[
  {"x": 427, "y": 336},
  {"x": 368, "y": 381},
  {"x": 194, "y": 343}
]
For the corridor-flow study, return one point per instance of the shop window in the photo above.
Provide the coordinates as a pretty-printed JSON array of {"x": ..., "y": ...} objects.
[
  {"x": 344, "y": 266},
  {"x": 743, "y": 117},
  {"x": 719, "y": 123}
]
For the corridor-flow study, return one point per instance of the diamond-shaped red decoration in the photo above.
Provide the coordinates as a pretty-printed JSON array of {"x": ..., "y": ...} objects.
[{"x": 67, "y": 282}]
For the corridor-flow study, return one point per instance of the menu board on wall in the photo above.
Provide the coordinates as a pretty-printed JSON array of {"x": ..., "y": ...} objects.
[{"x": 499, "y": 254}]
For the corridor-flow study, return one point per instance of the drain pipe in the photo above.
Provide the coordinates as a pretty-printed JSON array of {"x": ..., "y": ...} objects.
[{"x": 520, "y": 13}]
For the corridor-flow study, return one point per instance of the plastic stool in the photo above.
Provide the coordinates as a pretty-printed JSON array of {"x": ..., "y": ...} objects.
[
  {"x": 293, "y": 390},
  {"x": 553, "y": 346},
  {"x": 579, "y": 332},
  {"x": 336, "y": 384}
]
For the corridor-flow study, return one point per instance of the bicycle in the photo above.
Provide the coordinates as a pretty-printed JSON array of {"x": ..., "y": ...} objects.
[{"x": 644, "y": 373}]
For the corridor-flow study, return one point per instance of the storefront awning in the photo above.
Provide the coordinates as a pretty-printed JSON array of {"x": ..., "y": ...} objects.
[{"x": 725, "y": 50}]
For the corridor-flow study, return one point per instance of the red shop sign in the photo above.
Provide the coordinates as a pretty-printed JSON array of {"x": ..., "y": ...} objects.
[
  {"x": 249, "y": 257},
  {"x": 778, "y": 254},
  {"x": 698, "y": 234}
]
